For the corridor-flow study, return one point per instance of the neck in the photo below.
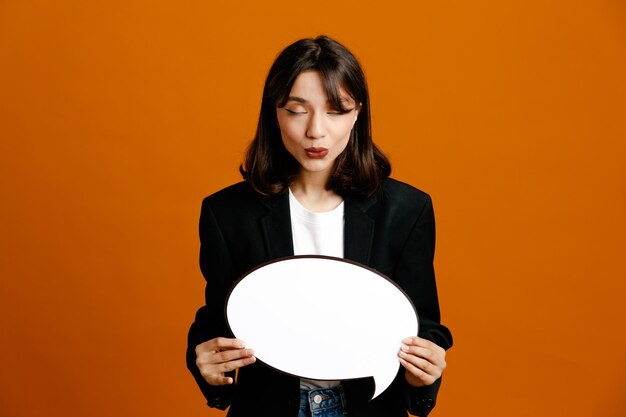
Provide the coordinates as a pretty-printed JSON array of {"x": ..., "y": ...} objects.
[{"x": 310, "y": 190}]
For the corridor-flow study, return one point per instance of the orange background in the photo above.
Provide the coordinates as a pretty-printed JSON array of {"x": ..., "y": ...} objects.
[{"x": 117, "y": 117}]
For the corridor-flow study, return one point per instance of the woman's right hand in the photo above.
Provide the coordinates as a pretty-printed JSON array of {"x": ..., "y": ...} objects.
[{"x": 217, "y": 356}]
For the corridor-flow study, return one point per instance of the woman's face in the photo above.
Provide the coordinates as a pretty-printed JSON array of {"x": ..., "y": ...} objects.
[{"x": 312, "y": 131}]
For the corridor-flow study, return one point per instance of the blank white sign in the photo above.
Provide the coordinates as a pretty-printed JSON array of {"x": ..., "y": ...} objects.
[{"x": 322, "y": 318}]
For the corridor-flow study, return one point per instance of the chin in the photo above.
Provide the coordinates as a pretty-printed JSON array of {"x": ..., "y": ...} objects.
[{"x": 315, "y": 169}]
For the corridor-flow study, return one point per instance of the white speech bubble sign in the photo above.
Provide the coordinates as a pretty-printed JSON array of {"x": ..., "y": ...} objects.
[{"x": 325, "y": 318}]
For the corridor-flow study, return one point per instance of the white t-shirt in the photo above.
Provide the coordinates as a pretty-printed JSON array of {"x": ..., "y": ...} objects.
[{"x": 316, "y": 233}]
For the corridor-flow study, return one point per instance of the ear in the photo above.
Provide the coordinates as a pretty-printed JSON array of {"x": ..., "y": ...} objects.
[{"x": 357, "y": 108}]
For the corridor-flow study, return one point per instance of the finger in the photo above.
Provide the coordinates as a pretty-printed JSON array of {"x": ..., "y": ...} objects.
[
  {"x": 214, "y": 373},
  {"x": 219, "y": 380},
  {"x": 434, "y": 357},
  {"x": 236, "y": 364},
  {"x": 419, "y": 341},
  {"x": 424, "y": 377},
  {"x": 219, "y": 343},
  {"x": 422, "y": 364},
  {"x": 223, "y": 343},
  {"x": 230, "y": 355}
]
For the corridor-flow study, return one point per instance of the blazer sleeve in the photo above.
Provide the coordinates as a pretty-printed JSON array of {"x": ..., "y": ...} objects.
[
  {"x": 415, "y": 274},
  {"x": 210, "y": 322}
]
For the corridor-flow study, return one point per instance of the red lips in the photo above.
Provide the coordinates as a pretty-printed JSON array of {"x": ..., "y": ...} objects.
[{"x": 316, "y": 153}]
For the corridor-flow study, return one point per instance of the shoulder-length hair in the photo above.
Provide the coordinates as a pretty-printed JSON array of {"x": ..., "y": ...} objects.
[{"x": 360, "y": 168}]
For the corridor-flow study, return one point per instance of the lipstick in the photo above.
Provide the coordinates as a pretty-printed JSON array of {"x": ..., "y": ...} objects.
[{"x": 316, "y": 153}]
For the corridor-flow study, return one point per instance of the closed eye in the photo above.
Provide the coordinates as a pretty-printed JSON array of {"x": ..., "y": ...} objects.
[
  {"x": 294, "y": 112},
  {"x": 340, "y": 112}
]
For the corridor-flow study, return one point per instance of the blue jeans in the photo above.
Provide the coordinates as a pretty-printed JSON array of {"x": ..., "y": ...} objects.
[{"x": 322, "y": 402}]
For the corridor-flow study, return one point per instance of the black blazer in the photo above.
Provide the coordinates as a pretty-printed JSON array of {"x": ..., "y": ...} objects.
[{"x": 393, "y": 232}]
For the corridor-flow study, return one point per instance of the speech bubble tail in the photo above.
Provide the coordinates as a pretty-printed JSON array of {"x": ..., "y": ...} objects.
[{"x": 383, "y": 380}]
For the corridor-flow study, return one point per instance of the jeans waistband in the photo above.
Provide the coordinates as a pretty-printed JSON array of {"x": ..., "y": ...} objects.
[
  {"x": 320, "y": 399},
  {"x": 323, "y": 399}
]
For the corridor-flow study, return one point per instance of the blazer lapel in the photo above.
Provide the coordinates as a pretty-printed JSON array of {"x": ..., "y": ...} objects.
[
  {"x": 277, "y": 227},
  {"x": 358, "y": 229}
]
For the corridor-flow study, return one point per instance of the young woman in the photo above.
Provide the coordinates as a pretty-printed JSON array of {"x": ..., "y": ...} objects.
[{"x": 315, "y": 183}]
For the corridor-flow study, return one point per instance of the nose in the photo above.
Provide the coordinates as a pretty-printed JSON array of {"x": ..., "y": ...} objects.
[{"x": 315, "y": 128}]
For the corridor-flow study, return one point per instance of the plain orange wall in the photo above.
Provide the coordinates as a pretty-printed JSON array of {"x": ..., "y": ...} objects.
[{"x": 117, "y": 117}]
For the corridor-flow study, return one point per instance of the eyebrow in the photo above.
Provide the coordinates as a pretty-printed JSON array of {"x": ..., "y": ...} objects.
[
  {"x": 301, "y": 100},
  {"x": 297, "y": 99}
]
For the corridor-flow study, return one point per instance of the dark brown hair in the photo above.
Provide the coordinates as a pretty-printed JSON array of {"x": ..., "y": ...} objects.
[{"x": 360, "y": 168}]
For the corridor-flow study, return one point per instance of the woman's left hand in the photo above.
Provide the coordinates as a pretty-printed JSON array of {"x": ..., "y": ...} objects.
[{"x": 423, "y": 360}]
